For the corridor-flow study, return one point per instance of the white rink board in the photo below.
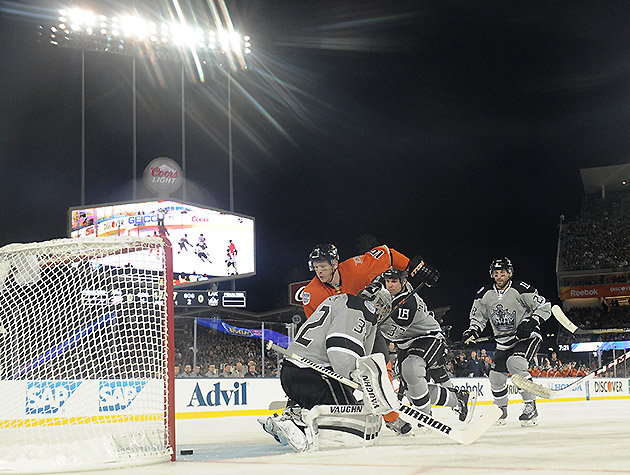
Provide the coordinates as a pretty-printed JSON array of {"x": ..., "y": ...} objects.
[
  {"x": 205, "y": 397},
  {"x": 70, "y": 398},
  {"x": 219, "y": 397}
]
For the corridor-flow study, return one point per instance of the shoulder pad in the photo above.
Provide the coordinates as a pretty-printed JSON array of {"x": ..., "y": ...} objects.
[
  {"x": 366, "y": 307},
  {"x": 523, "y": 287},
  {"x": 483, "y": 290}
]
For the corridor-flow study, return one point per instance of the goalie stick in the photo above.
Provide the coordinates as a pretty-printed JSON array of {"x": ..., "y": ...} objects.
[
  {"x": 465, "y": 436},
  {"x": 547, "y": 393}
]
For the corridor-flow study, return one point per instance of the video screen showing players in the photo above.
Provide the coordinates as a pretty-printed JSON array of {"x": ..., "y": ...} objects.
[{"x": 208, "y": 244}]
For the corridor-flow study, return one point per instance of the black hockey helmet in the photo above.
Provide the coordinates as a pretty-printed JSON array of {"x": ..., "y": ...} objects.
[
  {"x": 392, "y": 273},
  {"x": 502, "y": 263},
  {"x": 323, "y": 252},
  {"x": 380, "y": 298}
]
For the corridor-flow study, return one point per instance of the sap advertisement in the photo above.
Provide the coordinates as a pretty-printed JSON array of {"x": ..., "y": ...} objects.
[{"x": 208, "y": 244}]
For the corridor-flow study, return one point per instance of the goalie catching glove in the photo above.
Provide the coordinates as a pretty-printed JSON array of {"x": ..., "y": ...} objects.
[
  {"x": 525, "y": 328},
  {"x": 469, "y": 336},
  {"x": 419, "y": 272}
]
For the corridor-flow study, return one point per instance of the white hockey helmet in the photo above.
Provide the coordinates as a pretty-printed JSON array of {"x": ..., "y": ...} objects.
[{"x": 380, "y": 297}]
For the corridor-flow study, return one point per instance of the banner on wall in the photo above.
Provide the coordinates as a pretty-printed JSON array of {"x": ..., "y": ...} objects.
[
  {"x": 220, "y": 325},
  {"x": 594, "y": 291}
]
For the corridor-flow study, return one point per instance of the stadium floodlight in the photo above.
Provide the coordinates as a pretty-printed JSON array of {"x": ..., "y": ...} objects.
[
  {"x": 164, "y": 39},
  {"x": 135, "y": 35}
]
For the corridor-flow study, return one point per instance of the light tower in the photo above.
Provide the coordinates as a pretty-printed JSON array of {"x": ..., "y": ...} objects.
[{"x": 193, "y": 44}]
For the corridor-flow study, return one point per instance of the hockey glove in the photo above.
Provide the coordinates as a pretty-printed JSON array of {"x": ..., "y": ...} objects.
[
  {"x": 469, "y": 336},
  {"x": 525, "y": 328},
  {"x": 420, "y": 272}
]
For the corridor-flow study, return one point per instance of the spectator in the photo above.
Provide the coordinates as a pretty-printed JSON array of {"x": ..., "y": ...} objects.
[
  {"x": 461, "y": 366},
  {"x": 188, "y": 372},
  {"x": 554, "y": 362},
  {"x": 475, "y": 368},
  {"x": 238, "y": 372},
  {"x": 227, "y": 371},
  {"x": 251, "y": 372},
  {"x": 487, "y": 364},
  {"x": 197, "y": 373},
  {"x": 212, "y": 372}
]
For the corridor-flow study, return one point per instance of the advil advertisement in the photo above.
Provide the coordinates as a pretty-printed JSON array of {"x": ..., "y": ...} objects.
[{"x": 209, "y": 397}]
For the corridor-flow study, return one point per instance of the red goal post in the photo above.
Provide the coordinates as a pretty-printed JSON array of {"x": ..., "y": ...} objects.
[{"x": 86, "y": 354}]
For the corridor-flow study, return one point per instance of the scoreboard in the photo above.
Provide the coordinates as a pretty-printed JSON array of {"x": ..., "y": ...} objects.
[{"x": 204, "y": 298}]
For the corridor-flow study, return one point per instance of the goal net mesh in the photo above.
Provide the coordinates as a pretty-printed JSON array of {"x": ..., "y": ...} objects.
[{"x": 84, "y": 354}]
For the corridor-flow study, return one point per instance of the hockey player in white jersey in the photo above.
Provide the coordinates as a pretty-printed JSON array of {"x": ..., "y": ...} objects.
[
  {"x": 421, "y": 349},
  {"x": 514, "y": 310},
  {"x": 340, "y": 331}
]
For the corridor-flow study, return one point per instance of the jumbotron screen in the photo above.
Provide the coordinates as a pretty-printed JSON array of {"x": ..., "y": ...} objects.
[{"x": 208, "y": 244}]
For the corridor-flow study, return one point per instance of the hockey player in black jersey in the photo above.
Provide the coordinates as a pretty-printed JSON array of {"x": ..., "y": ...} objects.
[
  {"x": 421, "y": 349},
  {"x": 514, "y": 310}
]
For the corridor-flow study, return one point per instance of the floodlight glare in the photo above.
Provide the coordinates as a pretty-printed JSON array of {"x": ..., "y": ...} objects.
[{"x": 151, "y": 37}]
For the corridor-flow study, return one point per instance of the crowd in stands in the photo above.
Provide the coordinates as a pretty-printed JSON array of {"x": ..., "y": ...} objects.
[
  {"x": 476, "y": 364},
  {"x": 590, "y": 318},
  {"x": 221, "y": 355},
  {"x": 227, "y": 356},
  {"x": 600, "y": 237}
]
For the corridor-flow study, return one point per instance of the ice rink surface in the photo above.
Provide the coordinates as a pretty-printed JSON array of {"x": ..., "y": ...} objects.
[{"x": 571, "y": 438}]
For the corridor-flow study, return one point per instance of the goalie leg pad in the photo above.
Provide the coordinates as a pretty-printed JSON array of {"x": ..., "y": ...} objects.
[
  {"x": 342, "y": 426},
  {"x": 378, "y": 394}
]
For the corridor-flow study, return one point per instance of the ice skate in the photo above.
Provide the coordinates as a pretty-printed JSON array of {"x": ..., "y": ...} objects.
[
  {"x": 530, "y": 414},
  {"x": 285, "y": 431},
  {"x": 503, "y": 419},
  {"x": 465, "y": 397},
  {"x": 270, "y": 428},
  {"x": 399, "y": 426}
]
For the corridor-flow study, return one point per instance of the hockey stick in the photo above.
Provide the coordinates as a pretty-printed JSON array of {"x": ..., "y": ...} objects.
[
  {"x": 277, "y": 405},
  {"x": 547, "y": 393},
  {"x": 465, "y": 436},
  {"x": 481, "y": 339},
  {"x": 573, "y": 328}
]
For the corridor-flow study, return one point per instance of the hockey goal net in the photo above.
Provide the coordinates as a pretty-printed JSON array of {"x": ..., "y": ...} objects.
[{"x": 86, "y": 346}]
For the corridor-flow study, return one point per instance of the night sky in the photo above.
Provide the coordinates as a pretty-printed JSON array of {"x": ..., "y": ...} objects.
[{"x": 454, "y": 130}]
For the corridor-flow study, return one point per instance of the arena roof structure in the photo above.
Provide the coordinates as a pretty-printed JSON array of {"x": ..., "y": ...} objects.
[{"x": 602, "y": 179}]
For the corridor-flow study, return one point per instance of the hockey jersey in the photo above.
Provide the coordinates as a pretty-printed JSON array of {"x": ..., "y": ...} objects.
[
  {"x": 410, "y": 321},
  {"x": 340, "y": 330},
  {"x": 506, "y": 309},
  {"x": 355, "y": 273}
]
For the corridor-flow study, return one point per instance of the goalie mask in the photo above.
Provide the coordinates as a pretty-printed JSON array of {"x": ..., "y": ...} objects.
[
  {"x": 502, "y": 263},
  {"x": 380, "y": 298},
  {"x": 323, "y": 253}
]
